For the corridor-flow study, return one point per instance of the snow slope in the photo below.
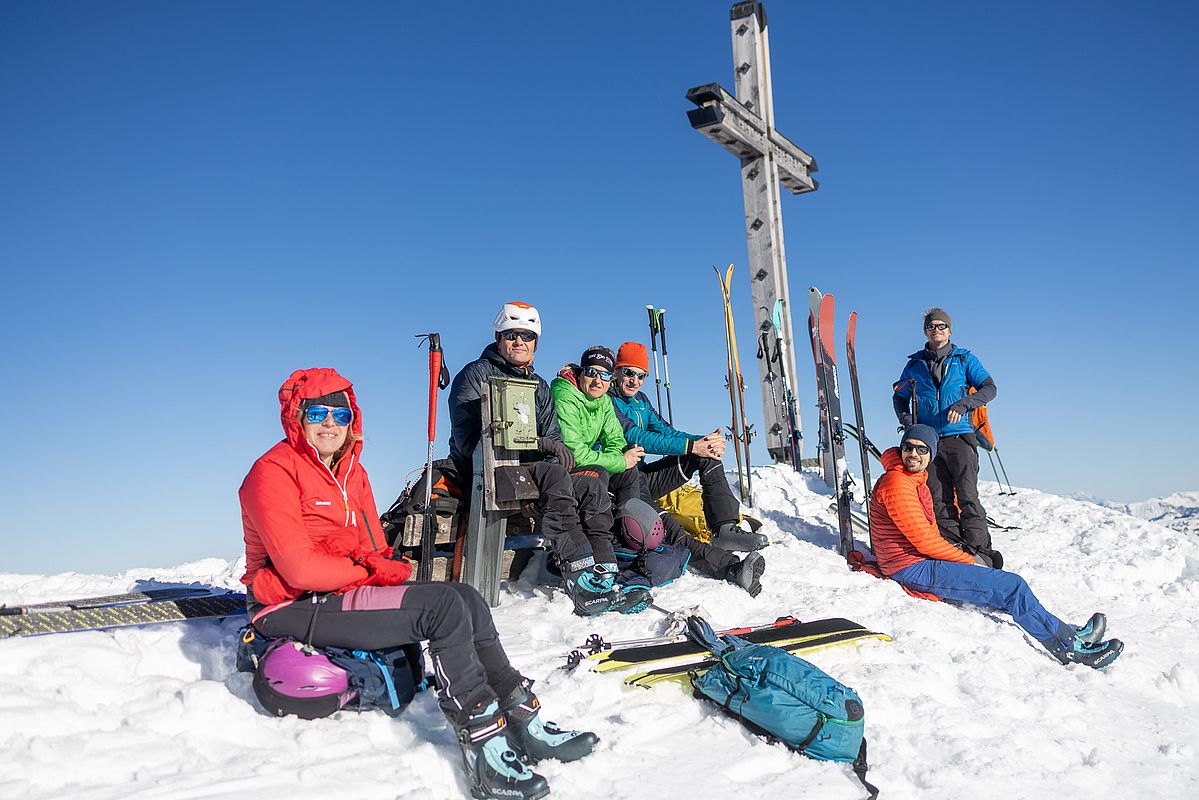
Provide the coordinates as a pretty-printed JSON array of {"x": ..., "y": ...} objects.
[{"x": 960, "y": 704}]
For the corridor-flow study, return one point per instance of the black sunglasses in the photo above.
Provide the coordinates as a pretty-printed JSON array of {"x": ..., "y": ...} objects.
[
  {"x": 921, "y": 449},
  {"x": 524, "y": 336}
]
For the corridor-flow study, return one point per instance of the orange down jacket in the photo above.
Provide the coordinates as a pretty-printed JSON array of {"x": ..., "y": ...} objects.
[
  {"x": 903, "y": 527},
  {"x": 306, "y": 527}
]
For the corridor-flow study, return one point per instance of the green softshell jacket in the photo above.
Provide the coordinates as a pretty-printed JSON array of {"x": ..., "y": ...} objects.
[{"x": 589, "y": 427}]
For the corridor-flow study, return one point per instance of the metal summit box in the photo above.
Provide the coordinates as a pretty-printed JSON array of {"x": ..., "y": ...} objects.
[{"x": 514, "y": 412}]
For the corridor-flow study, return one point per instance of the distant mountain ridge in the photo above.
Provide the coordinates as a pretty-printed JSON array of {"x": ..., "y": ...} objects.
[{"x": 1179, "y": 511}]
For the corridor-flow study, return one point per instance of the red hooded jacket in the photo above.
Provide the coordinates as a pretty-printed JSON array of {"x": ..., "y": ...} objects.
[
  {"x": 308, "y": 529},
  {"x": 903, "y": 527}
]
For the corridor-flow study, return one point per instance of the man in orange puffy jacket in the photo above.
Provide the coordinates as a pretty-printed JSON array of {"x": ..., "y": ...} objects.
[{"x": 911, "y": 551}]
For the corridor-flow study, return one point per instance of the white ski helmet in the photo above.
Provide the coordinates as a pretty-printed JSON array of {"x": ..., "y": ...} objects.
[{"x": 518, "y": 316}]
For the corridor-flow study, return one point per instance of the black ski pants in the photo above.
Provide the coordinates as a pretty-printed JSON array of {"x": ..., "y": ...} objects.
[
  {"x": 571, "y": 508},
  {"x": 667, "y": 474},
  {"x": 469, "y": 663},
  {"x": 954, "y": 474},
  {"x": 590, "y": 486},
  {"x": 706, "y": 559}
]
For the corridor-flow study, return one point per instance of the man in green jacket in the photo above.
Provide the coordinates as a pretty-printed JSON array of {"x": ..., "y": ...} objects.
[{"x": 595, "y": 437}]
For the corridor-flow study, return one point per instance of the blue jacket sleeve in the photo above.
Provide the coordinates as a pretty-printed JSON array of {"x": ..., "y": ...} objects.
[{"x": 656, "y": 437}]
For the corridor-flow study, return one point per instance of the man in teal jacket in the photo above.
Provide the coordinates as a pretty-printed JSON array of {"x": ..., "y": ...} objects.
[
  {"x": 593, "y": 433},
  {"x": 685, "y": 454},
  {"x": 947, "y": 382}
]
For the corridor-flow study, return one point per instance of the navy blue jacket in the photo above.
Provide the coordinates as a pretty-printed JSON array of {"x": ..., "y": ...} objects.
[
  {"x": 466, "y": 421},
  {"x": 961, "y": 372}
]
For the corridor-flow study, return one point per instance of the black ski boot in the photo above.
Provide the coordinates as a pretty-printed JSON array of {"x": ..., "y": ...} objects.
[
  {"x": 493, "y": 765},
  {"x": 731, "y": 536},
  {"x": 593, "y": 589},
  {"x": 1092, "y": 633},
  {"x": 537, "y": 740},
  {"x": 747, "y": 573},
  {"x": 1096, "y": 656}
]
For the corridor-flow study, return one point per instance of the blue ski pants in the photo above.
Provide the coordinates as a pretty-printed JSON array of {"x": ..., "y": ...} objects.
[{"x": 1006, "y": 591}]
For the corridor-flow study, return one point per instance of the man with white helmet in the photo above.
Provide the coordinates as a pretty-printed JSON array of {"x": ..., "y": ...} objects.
[{"x": 570, "y": 507}]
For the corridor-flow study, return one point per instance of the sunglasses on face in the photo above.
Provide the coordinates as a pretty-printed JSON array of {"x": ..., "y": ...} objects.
[
  {"x": 936, "y": 326},
  {"x": 315, "y": 415},
  {"x": 629, "y": 372},
  {"x": 592, "y": 372},
  {"x": 919, "y": 449},
  {"x": 524, "y": 336}
]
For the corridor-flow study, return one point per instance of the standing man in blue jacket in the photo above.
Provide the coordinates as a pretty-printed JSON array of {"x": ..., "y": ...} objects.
[
  {"x": 685, "y": 454},
  {"x": 940, "y": 377}
]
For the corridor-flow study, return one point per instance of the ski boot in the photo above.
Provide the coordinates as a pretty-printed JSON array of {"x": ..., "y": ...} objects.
[
  {"x": 1096, "y": 656},
  {"x": 493, "y": 765},
  {"x": 537, "y": 740},
  {"x": 747, "y": 573},
  {"x": 731, "y": 536},
  {"x": 592, "y": 587},
  {"x": 1092, "y": 633}
]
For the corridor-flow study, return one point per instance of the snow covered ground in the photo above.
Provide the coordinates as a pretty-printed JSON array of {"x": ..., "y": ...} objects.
[{"x": 960, "y": 704}]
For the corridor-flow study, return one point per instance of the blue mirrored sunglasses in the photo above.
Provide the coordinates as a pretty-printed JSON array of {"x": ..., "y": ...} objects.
[
  {"x": 592, "y": 372},
  {"x": 315, "y": 415}
]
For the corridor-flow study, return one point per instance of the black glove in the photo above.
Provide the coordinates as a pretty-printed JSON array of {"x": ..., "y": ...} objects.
[{"x": 558, "y": 450}]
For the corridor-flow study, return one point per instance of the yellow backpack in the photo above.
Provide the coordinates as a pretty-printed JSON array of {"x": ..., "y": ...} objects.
[{"x": 686, "y": 504}]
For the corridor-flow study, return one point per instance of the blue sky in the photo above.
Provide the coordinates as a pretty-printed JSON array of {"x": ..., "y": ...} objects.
[{"x": 198, "y": 198}]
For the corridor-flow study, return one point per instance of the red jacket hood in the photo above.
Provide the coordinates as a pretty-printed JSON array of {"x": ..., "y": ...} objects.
[
  {"x": 308, "y": 384},
  {"x": 570, "y": 374}
]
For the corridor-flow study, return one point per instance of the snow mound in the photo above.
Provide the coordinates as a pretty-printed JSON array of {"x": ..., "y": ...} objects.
[{"x": 960, "y": 704}]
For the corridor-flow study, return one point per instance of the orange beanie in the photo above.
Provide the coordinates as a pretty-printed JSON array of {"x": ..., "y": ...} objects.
[{"x": 633, "y": 354}]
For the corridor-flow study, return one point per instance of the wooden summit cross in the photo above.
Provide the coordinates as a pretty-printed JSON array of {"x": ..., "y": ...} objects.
[{"x": 745, "y": 127}]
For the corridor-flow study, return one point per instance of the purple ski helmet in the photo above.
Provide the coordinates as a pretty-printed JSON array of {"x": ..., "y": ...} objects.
[
  {"x": 294, "y": 679},
  {"x": 641, "y": 525}
]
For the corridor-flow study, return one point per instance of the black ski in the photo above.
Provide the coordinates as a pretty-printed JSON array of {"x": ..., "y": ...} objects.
[
  {"x": 128, "y": 598},
  {"x": 624, "y": 657},
  {"x": 851, "y": 357},
  {"x": 680, "y": 670},
  {"x": 823, "y": 346},
  {"x": 121, "y": 615}
]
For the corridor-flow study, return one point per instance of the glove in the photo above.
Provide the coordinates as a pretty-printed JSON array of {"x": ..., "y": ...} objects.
[
  {"x": 982, "y": 561},
  {"x": 380, "y": 568},
  {"x": 558, "y": 450}
]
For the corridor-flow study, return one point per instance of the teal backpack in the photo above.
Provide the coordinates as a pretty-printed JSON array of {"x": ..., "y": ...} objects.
[{"x": 782, "y": 697}]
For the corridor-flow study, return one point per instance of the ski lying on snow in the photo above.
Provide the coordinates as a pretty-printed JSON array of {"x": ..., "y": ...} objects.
[
  {"x": 129, "y": 598},
  {"x": 686, "y": 651},
  {"x": 679, "y": 671},
  {"x": 596, "y": 645},
  {"x": 125, "y": 615}
]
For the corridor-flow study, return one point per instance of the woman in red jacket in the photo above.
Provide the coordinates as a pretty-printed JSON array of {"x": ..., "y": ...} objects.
[{"x": 318, "y": 570}]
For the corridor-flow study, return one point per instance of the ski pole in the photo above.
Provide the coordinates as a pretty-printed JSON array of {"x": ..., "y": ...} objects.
[
  {"x": 439, "y": 378},
  {"x": 653, "y": 345},
  {"x": 1005, "y": 477},
  {"x": 991, "y": 458},
  {"x": 665, "y": 367}
]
